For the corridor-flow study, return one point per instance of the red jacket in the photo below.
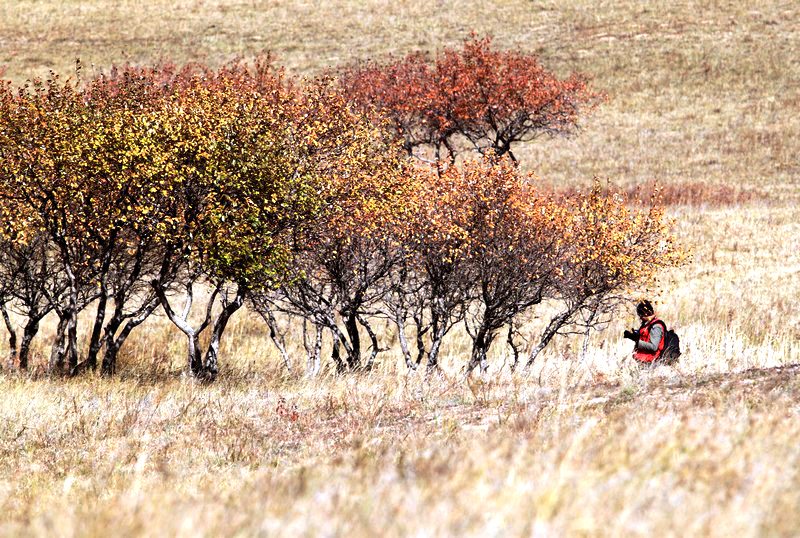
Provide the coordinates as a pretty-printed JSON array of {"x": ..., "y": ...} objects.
[{"x": 644, "y": 355}]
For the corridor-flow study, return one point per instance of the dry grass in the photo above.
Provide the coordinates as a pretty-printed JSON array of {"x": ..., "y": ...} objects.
[
  {"x": 697, "y": 194},
  {"x": 704, "y": 99},
  {"x": 382, "y": 455}
]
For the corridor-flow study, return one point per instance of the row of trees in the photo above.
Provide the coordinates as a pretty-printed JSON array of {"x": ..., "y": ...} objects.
[{"x": 126, "y": 193}]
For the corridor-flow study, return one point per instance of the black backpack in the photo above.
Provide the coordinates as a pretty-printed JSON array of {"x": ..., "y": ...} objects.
[{"x": 672, "y": 346}]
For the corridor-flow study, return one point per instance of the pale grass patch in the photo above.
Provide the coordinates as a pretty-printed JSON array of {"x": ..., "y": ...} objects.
[{"x": 365, "y": 454}]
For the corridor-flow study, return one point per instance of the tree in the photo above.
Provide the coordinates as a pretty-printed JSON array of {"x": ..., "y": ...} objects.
[
  {"x": 113, "y": 171},
  {"x": 482, "y": 248},
  {"x": 342, "y": 260},
  {"x": 232, "y": 196},
  {"x": 134, "y": 188},
  {"x": 614, "y": 253},
  {"x": 517, "y": 245},
  {"x": 470, "y": 98},
  {"x": 81, "y": 168},
  {"x": 32, "y": 284},
  {"x": 45, "y": 136},
  {"x": 437, "y": 250}
]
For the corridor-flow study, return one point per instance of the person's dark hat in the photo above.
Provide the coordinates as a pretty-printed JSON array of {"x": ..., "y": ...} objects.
[{"x": 645, "y": 308}]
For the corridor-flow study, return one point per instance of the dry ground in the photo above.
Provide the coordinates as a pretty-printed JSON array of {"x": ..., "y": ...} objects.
[{"x": 703, "y": 96}]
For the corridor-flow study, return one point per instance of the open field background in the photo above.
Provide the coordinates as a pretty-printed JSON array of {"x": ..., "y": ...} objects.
[{"x": 704, "y": 97}]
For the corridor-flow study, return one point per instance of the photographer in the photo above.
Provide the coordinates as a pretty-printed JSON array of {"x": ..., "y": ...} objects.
[{"x": 649, "y": 338}]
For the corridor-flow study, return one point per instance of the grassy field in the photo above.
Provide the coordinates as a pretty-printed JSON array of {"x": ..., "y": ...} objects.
[{"x": 704, "y": 97}]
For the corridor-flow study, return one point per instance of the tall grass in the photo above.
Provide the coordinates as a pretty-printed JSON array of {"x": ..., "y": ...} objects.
[{"x": 377, "y": 454}]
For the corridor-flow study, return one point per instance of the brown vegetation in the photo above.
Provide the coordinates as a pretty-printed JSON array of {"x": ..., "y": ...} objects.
[{"x": 695, "y": 194}]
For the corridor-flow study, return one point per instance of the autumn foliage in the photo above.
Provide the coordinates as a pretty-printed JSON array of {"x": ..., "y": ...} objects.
[
  {"x": 146, "y": 182},
  {"x": 124, "y": 195},
  {"x": 472, "y": 98}
]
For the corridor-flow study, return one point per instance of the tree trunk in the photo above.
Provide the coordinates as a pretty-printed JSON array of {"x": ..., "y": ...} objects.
[
  {"x": 354, "y": 353},
  {"x": 28, "y": 333},
  {"x": 56, "y": 364},
  {"x": 67, "y": 344},
  {"x": 401, "y": 335},
  {"x": 335, "y": 357},
  {"x": 211, "y": 362},
  {"x": 194, "y": 354},
  {"x": 589, "y": 324},
  {"x": 552, "y": 329},
  {"x": 193, "y": 351},
  {"x": 313, "y": 353},
  {"x": 373, "y": 338},
  {"x": 94, "y": 341},
  {"x": 111, "y": 344},
  {"x": 72, "y": 341},
  {"x": 72, "y": 321},
  {"x": 276, "y": 336},
  {"x": 99, "y": 319},
  {"x": 480, "y": 346},
  {"x": 114, "y": 344},
  {"x": 109, "y": 365},
  {"x": 420, "y": 340},
  {"x": 513, "y": 346},
  {"x": 339, "y": 340},
  {"x": 12, "y": 337},
  {"x": 436, "y": 342}
]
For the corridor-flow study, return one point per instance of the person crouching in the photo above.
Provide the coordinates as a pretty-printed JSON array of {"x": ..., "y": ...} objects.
[{"x": 649, "y": 338}]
